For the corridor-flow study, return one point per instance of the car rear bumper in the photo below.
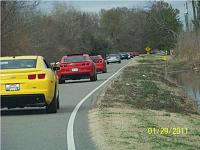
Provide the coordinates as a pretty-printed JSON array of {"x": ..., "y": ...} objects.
[
  {"x": 124, "y": 58},
  {"x": 113, "y": 61},
  {"x": 81, "y": 74},
  {"x": 76, "y": 76},
  {"x": 29, "y": 100},
  {"x": 100, "y": 67}
]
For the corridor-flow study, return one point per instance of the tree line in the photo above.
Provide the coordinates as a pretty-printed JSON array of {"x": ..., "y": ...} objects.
[{"x": 26, "y": 30}]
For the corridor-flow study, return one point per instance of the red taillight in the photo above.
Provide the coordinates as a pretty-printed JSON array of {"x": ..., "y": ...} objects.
[
  {"x": 62, "y": 66},
  {"x": 99, "y": 61},
  {"x": 86, "y": 64},
  {"x": 32, "y": 76},
  {"x": 41, "y": 76}
]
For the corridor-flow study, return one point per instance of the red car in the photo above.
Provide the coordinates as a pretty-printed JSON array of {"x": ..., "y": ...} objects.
[
  {"x": 76, "y": 67},
  {"x": 133, "y": 54},
  {"x": 100, "y": 63}
]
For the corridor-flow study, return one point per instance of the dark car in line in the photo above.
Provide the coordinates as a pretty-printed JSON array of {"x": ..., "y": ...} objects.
[{"x": 124, "y": 55}]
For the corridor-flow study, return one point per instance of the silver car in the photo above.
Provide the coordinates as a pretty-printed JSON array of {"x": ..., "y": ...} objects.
[{"x": 113, "y": 58}]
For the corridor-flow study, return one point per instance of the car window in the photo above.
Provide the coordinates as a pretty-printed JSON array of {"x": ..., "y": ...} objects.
[
  {"x": 94, "y": 58},
  {"x": 46, "y": 64},
  {"x": 74, "y": 59},
  {"x": 113, "y": 55},
  {"x": 17, "y": 63}
]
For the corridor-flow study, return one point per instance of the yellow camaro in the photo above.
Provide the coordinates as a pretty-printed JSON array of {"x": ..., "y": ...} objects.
[{"x": 28, "y": 81}]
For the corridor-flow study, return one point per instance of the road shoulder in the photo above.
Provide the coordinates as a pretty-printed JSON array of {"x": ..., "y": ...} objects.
[{"x": 125, "y": 119}]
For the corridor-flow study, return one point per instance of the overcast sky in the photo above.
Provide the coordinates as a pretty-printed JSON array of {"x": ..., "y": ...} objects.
[{"x": 96, "y": 5}]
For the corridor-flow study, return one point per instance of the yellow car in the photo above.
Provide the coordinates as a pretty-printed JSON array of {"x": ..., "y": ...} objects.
[{"x": 28, "y": 81}]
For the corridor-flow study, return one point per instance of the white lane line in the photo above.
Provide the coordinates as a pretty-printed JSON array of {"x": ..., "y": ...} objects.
[{"x": 70, "y": 126}]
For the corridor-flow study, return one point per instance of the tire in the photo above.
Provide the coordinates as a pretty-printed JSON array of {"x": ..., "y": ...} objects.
[
  {"x": 52, "y": 107},
  {"x": 61, "y": 81},
  {"x": 108, "y": 63},
  {"x": 105, "y": 71},
  {"x": 119, "y": 62},
  {"x": 58, "y": 103},
  {"x": 94, "y": 77}
]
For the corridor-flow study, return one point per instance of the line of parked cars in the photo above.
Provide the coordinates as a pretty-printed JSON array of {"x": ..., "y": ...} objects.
[{"x": 29, "y": 81}]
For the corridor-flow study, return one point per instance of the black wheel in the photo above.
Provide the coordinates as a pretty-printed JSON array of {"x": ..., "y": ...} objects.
[
  {"x": 105, "y": 70},
  {"x": 119, "y": 62},
  {"x": 58, "y": 103},
  {"x": 107, "y": 62},
  {"x": 52, "y": 107},
  {"x": 94, "y": 77},
  {"x": 61, "y": 81}
]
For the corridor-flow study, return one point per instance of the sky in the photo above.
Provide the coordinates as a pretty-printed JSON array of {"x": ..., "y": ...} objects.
[{"x": 97, "y": 5}]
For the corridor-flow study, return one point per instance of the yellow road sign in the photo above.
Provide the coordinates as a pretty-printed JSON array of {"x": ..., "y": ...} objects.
[{"x": 148, "y": 49}]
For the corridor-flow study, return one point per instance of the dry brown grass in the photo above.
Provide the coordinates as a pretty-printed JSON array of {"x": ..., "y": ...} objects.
[{"x": 188, "y": 47}]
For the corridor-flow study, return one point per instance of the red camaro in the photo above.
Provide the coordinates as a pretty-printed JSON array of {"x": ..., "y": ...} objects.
[
  {"x": 75, "y": 67},
  {"x": 100, "y": 63}
]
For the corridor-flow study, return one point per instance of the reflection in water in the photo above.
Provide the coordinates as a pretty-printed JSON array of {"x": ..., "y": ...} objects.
[{"x": 190, "y": 80}]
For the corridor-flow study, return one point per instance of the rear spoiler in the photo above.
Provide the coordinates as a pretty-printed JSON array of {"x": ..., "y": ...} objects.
[{"x": 76, "y": 54}]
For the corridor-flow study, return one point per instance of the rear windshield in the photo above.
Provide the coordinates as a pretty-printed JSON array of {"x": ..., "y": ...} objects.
[
  {"x": 113, "y": 55},
  {"x": 94, "y": 58},
  {"x": 18, "y": 64},
  {"x": 74, "y": 59}
]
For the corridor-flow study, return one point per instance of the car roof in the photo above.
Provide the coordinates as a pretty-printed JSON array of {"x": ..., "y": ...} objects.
[
  {"x": 95, "y": 56},
  {"x": 19, "y": 57},
  {"x": 71, "y": 55},
  {"x": 113, "y": 54}
]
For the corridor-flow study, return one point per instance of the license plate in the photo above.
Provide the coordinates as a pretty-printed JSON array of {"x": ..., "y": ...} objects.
[
  {"x": 74, "y": 69},
  {"x": 12, "y": 87}
]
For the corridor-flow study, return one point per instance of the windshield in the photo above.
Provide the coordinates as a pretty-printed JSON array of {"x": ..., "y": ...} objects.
[
  {"x": 74, "y": 59},
  {"x": 17, "y": 64},
  {"x": 94, "y": 58},
  {"x": 113, "y": 55}
]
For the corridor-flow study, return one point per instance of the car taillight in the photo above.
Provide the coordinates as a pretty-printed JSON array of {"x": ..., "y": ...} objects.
[
  {"x": 86, "y": 64},
  {"x": 63, "y": 66},
  {"x": 99, "y": 61},
  {"x": 31, "y": 76},
  {"x": 41, "y": 76}
]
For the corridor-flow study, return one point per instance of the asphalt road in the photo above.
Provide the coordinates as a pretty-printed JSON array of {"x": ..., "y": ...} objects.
[{"x": 33, "y": 129}]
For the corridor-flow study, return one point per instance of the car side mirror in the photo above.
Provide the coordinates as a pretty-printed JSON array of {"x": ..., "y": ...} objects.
[{"x": 56, "y": 68}]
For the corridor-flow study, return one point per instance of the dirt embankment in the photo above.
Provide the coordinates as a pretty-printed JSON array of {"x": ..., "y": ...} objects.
[{"x": 143, "y": 109}]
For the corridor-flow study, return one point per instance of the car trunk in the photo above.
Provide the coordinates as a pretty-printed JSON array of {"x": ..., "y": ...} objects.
[
  {"x": 20, "y": 79},
  {"x": 17, "y": 75}
]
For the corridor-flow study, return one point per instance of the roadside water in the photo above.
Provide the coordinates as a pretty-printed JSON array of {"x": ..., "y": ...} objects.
[{"x": 190, "y": 80}]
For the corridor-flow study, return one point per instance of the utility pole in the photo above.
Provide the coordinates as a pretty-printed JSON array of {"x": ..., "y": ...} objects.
[
  {"x": 186, "y": 17},
  {"x": 194, "y": 14},
  {"x": 198, "y": 12},
  {"x": 196, "y": 21}
]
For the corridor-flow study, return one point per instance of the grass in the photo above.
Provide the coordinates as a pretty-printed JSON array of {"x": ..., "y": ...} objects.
[
  {"x": 144, "y": 86},
  {"x": 141, "y": 98}
]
